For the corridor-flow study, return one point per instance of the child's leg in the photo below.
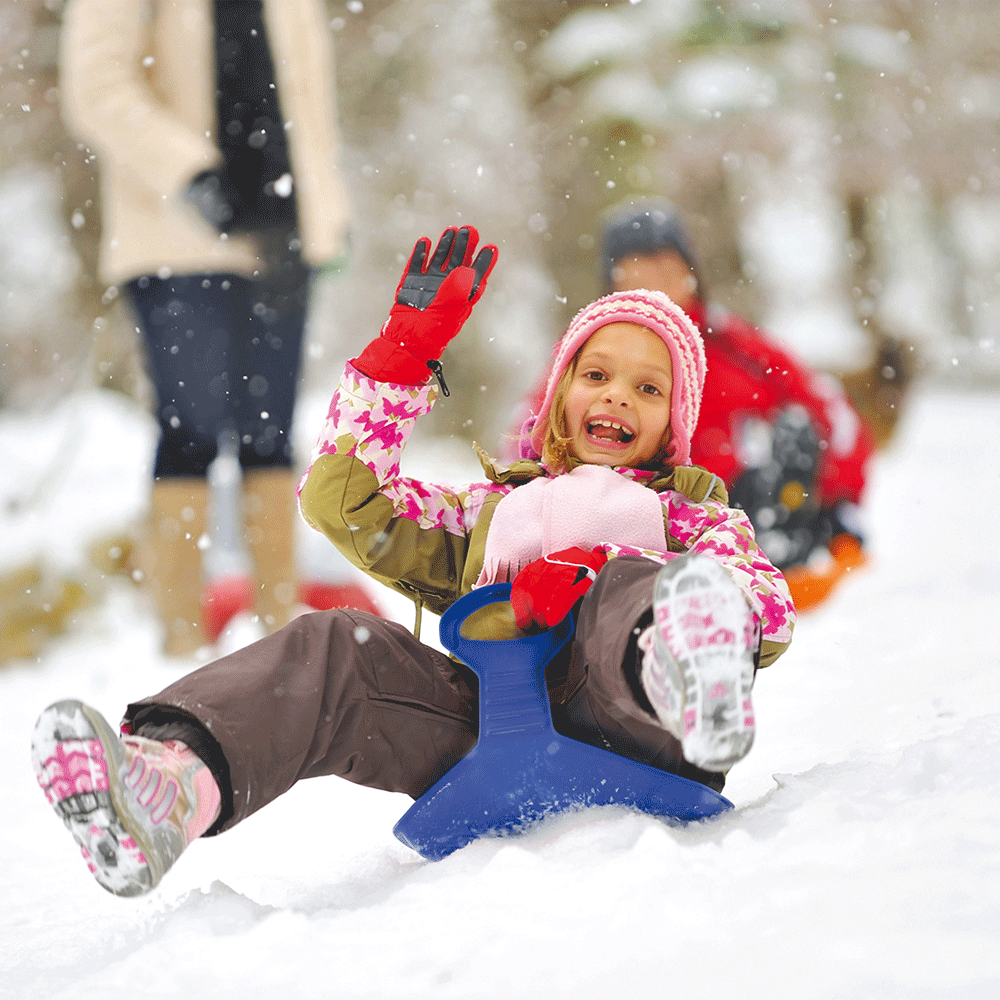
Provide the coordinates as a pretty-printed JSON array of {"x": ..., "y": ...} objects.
[
  {"x": 336, "y": 692},
  {"x": 605, "y": 703}
]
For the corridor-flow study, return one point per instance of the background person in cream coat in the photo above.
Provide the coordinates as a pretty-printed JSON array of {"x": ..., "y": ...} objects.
[{"x": 213, "y": 123}]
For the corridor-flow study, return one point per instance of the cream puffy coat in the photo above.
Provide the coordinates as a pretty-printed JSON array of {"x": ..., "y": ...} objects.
[{"x": 138, "y": 88}]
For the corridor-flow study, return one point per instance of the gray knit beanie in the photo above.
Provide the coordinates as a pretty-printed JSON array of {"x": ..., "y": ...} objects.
[{"x": 644, "y": 227}]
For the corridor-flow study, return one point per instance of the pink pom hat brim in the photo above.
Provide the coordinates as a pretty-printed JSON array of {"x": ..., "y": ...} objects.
[{"x": 654, "y": 311}]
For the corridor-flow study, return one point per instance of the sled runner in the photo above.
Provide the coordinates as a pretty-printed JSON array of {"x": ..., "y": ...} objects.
[{"x": 522, "y": 770}]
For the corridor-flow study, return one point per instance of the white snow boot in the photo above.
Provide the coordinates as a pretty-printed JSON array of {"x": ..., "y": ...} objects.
[
  {"x": 698, "y": 668},
  {"x": 132, "y": 804}
]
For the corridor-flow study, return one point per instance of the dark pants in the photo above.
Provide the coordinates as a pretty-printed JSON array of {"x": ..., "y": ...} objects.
[
  {"x": 343, "y": 692},
  {"x": 223, "y": 353}
]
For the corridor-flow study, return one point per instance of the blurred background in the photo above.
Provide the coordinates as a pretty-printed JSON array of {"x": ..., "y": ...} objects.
[{"x": 836, "y": 162}]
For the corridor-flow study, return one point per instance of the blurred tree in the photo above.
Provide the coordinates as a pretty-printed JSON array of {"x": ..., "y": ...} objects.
[{"x": 58, "y": 330}]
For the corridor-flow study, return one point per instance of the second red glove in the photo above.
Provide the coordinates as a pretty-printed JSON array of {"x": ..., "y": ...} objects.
[{"x": 544, "y": 592}]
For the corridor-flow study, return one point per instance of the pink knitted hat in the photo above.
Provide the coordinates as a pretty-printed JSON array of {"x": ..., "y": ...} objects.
[{"x": 658, "y": 313}]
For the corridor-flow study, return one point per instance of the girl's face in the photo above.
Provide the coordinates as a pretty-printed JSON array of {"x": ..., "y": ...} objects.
[{"x": 618, "y": 398}]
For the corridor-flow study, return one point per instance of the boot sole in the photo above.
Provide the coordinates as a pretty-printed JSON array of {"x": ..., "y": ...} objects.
[
  {"x": 79, "y": 762},
  {"x": 704, "y": 626}
]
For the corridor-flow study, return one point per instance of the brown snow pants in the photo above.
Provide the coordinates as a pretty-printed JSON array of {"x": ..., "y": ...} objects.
[{"x": 344, "y": 692}]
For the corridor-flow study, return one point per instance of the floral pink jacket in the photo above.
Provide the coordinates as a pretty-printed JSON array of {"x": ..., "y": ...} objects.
[{"x": 427, "y": 540}]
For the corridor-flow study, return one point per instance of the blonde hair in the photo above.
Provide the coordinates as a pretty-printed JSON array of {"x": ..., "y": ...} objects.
[
  {"x": 557, "y": 439},
  {"x": 555, "y": 445}
]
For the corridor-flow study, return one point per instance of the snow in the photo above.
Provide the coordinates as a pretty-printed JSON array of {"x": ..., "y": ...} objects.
[
  {"x": 874, "y": 46},
  {"x": 705, "y": 86},
  {"x": 37, "y": 268},
  {"x": 74, "y": 485},
  {"x": 794, "y": 238},
  {"x": 585, "y": 39},
  {"x": 861, "y": 860},
  {"x": 629, "y": 94},
  {"x": 589, "y": 37}
]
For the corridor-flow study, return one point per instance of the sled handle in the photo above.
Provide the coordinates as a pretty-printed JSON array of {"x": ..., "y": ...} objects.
[{"x": 511, "y": 672}]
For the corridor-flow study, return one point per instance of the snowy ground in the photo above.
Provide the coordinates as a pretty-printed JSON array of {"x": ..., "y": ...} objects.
[{"x": 863, "y": 859}]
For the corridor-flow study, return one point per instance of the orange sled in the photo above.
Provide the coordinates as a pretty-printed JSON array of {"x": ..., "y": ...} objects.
[{"x": 810, "y": 587}]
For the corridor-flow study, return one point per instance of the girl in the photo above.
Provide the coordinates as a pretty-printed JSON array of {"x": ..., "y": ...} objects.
[{"x": 676, "y": 605}]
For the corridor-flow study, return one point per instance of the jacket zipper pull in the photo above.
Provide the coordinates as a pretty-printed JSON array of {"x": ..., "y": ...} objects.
[{"x": 436, "y": 367}]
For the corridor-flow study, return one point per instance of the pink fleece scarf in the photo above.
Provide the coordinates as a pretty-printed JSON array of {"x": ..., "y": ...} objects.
[{"x": 588, "y": 506}]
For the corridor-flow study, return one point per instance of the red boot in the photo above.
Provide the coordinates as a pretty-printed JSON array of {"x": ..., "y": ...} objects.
[
  {"x": 222, "y": 600},
  {"x": 322, "y": 596}
]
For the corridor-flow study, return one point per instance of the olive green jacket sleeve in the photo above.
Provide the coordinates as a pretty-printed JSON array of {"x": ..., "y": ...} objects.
[{"x": 422, "y": 539}]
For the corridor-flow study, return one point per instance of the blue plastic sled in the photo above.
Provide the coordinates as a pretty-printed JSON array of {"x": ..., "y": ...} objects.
[{"x": 522, "y": 770}]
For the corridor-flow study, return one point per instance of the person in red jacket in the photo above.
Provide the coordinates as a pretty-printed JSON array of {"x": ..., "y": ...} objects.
[{"x": 786, "y": 441}]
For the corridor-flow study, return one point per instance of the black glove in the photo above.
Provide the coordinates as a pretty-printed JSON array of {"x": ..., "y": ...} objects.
[
  {"x": 780, "y": 497},
  {"x": 843, "y": 518},
  {"x": 422, "y": 278},
  {"x": 217, "y": 200}
]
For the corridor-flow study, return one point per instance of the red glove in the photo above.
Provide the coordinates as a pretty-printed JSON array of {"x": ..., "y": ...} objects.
[
  {"x": 433, "y": 300},
  {"x": 544, "y": 592}
]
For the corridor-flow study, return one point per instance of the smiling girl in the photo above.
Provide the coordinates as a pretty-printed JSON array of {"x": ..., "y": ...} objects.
[
  {"x": 675, "y": 606},
  {"x": 617, "y": 397}
]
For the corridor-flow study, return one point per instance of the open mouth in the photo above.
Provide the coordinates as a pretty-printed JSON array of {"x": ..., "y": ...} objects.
[{"x": 608, "y": 431}]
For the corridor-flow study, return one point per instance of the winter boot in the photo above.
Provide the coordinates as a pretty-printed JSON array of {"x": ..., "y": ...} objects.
[
  {"x": 697, "y": 668},
  {"x": 132, "y": 804},
  {"x": 222, "y": 600},
  {"x": 170, "y": 559},
  {"x": 321, "y": 595},
  {"x": 271, "y": 514}
]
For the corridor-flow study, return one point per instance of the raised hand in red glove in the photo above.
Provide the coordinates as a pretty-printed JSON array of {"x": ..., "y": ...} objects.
[
  {"x": 433, "y": 299},
  {"x": 544, "y": 592}
]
